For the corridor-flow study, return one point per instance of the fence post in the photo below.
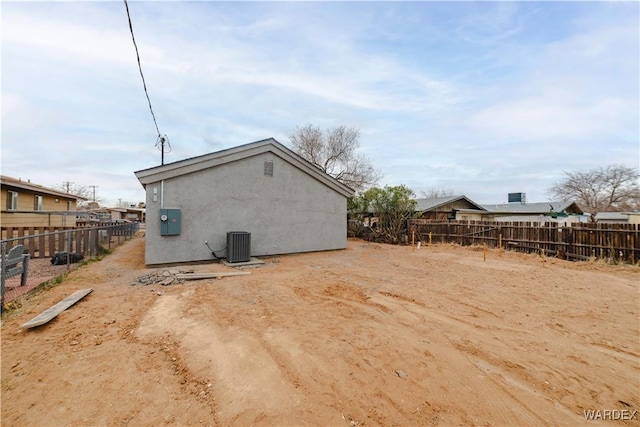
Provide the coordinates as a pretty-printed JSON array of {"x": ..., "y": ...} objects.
[
  {"x": 96, "y": 242},
  {"x": 25, "y": 269},
  {"x": 3, "y": 256},
  {"x": 68, "y": 248}
]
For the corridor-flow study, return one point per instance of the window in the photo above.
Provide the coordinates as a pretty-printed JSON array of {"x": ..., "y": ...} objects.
[
  {"x": 37, "y": 202},
  {"x": 12, "y": 200}
]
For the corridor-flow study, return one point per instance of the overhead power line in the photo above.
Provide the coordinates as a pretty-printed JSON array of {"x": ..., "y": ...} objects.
[{"x": 162, "y": 142}]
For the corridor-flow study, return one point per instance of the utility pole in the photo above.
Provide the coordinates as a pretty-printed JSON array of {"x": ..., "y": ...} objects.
[
  {"x": 67, "y": 184},
  {"x": 94, "y": 192}
]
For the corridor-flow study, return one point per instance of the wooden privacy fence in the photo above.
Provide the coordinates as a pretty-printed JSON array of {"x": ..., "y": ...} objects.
[
  {"x": 578, "y": 241},
  {"x": 43, "y": 242}
]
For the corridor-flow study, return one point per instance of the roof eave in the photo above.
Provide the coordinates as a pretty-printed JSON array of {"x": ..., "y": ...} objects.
[
  {"x": 452, "y": 199},
  {"x": 195, "y": 164},
  {"x": 11, "y": 182}
]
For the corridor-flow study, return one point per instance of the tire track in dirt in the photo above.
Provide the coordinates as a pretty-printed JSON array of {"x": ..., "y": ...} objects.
[
  {"x": 498, "y": 395},
  {"x": 512, "y": 381},
  {"x": 506, "y": 412},
  {"x": 346, "y": 307},
  {"x": 360, "y": 400},
  {"x": 245, "y": 373},
  {"x": 581, "y": 315}
]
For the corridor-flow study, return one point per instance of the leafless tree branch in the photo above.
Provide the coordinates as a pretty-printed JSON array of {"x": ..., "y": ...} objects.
[
  {"x": 614, "y": 188},
  {"x": 335, "y": 152}
]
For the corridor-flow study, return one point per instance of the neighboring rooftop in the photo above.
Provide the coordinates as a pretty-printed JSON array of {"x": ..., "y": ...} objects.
[
  {"x": 436, "y": 202},
  {"x": 615, "y": 216},
  {"x": 28, "y": 185},
  {"x": 534, "y": 208}
]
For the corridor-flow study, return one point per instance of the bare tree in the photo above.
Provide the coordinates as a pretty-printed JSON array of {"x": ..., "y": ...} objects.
[
  {"x": 614, "y": 188},
  {"x": 336, "y": 154},
  {"x": 127, "y": 204},
  {"x": 85, "y": 191},
  {"x": 434, "y": 193}
]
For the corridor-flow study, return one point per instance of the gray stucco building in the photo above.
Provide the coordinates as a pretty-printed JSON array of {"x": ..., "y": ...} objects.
[{"x": 263, "y": 188}]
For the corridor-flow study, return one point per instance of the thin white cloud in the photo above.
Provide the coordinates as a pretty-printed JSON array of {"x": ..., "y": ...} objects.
[
  {"x": 550, "y": 118},
  {"x": 568, "y": 91}
]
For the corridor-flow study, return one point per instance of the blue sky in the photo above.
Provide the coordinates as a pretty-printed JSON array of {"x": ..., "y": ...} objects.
[{"x": 481, "y": 98}]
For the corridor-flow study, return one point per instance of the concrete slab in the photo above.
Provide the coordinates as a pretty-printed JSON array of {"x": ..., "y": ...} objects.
[{"x": 252, "y": 262}]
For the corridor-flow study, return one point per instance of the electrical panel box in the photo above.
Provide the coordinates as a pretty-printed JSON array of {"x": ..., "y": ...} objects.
[{"x": 169, "y": 222}]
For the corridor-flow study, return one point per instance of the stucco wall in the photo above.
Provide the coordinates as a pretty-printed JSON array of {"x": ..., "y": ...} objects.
[{"x": 285, "y": 213}]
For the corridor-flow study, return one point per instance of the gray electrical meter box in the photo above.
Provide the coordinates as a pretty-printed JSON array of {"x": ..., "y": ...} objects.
[{"x": 169, "y": 222}]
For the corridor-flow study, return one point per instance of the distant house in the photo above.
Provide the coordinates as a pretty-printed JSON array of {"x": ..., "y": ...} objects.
[
  {"x": 618, "y": 217},
  {"x": 127, "y": 214},
  {"x": 450, "y": 208},
  {"x": 565, "y": 212},
  {"x": 25, "y": 204},
  {"x": 286, "y": 204},
  {"x": 96, "y": 214}
]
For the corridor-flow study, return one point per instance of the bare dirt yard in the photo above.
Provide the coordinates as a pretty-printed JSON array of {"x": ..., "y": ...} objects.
[{"x": 371, "y": 335}]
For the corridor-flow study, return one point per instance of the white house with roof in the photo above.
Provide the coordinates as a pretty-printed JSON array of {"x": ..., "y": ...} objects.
[
  {"x": 618, "y": 217},
  {"x": 262, "y": 193},
  {"x": 26, "y": 204},
  {"x": 563, "y": 211}
]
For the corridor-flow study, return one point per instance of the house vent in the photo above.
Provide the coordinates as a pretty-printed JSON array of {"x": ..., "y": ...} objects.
[
  {"x": 238, "y": 246},
  {"x": 268, "y": 168}
]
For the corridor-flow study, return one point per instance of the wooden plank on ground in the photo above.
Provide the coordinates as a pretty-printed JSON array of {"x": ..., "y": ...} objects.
[
  {"x": 52, "y": 312},
  {"x": 197, "y": 276}
]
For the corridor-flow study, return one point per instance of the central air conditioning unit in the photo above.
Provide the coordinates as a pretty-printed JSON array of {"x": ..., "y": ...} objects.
[
  {"x": 517, "y": 198},
  {"x": 238, "y": 246}
]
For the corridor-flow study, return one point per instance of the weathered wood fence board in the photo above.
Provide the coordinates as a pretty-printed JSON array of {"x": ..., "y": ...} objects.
[
  {"x": 578, "y": 241},
  {"x": 44, "y": 242},
  {"x": 55, "y": 310}
]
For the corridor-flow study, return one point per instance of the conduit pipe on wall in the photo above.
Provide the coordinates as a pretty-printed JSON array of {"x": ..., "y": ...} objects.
[{"x": 162, "y": 194}]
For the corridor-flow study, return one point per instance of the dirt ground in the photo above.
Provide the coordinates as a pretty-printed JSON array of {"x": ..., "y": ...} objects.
[{"x": 371, "y": 335}]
